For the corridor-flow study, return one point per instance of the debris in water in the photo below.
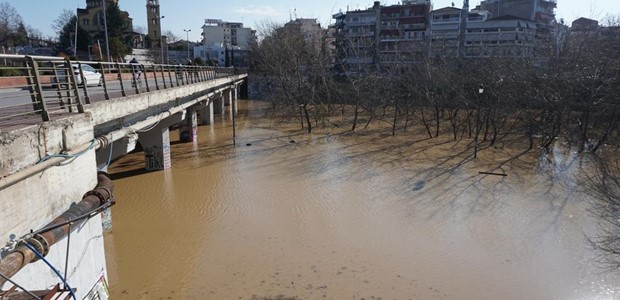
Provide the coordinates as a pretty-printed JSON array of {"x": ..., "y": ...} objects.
[
  {"x": 293, "y": 142},
  {"x": 491, "y": 173},
  {"x": 248, "y": 144},
  {"x": 419, "y": 185}
]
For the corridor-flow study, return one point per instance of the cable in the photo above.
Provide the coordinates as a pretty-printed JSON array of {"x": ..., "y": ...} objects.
[
  {"x": 92, "y": 145},
  {"x": 19, "y": 286},
  {"x": 51, "y": 267},
  {"x": 110, "y": 156}
]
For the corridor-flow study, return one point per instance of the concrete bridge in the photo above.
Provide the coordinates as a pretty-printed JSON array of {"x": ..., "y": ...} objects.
[{"x": 55, "y": 135}]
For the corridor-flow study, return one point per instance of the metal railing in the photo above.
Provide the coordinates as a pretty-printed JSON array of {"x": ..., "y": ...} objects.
[{"x": 37, "y": 88}]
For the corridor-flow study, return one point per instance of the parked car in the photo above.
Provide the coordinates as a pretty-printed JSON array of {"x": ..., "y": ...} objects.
[{"x": 91, "y": 75}]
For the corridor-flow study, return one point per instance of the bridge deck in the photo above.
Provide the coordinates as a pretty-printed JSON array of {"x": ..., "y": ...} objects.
[{"x": 35, "y": 98}]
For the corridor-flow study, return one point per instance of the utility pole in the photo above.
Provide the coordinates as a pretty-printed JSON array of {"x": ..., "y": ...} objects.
[
  {"x": 77, "y": 23},
  {"x": 105, "y": 27},
  {"x": 463, "y": 28},
  {"x": 161, "y": 43},
  {"x": 187, "y": 33}
]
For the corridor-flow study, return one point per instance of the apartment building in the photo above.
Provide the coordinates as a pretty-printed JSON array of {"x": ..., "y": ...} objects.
[
  {"x": 225, "y": 43},
  {"x": 540, "y": 11},
  {"x": 227, "y": 33},
  {"x": 381, "y": 36},
  {"x": 356, "y": 38},
  {"x": 484, "y": 36}
]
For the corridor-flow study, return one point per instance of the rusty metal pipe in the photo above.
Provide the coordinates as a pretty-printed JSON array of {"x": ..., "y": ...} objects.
[{"x": 43, "y": 239}]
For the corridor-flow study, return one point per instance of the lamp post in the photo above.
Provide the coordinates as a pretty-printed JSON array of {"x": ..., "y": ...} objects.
[
  {"x": 161, "y": 43},
  {"x": 105, "y": 27},
  {"x": 480, "y": 92},
  {"x": 187, "y": 33}
]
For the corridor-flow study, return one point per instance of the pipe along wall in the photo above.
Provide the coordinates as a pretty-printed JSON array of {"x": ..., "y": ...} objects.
[{"x": 102, "y": 196}]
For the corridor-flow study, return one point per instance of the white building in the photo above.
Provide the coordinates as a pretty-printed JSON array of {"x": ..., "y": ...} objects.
[
  {"x": 225, "y": 43},
  {"x": 215, "y": 32}
]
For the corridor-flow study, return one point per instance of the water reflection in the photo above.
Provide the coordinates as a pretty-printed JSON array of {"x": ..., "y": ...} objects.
[{"x": 349, "y": 216}]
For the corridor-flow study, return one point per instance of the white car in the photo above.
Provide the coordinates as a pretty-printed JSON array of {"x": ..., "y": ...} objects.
[{"x": 91, "y": 75}]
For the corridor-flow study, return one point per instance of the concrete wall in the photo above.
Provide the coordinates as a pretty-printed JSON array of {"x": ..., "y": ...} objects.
[{"x": 37, "y": 200}]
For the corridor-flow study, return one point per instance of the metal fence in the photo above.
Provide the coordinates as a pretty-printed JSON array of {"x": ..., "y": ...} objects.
[{"x": 36, "y": 88}]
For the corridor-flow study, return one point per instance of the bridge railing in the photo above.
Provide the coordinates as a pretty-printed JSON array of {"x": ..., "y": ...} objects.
[{"x": 40, "y": 87}]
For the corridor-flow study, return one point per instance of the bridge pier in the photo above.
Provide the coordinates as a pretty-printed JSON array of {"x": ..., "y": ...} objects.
[
  {"x": 234, "y": 99},
  {"x": 156, "y": 143},
  {"x": 206, "y": 113},
  {"x": 231, "y": 100},
  {"x": 118, "y": 148},
  {"x": 219, "y": 103},
  {"x": 188, "y": 131}
]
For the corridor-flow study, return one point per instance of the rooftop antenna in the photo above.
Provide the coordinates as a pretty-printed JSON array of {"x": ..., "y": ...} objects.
[{"x": 295, "y": 12}]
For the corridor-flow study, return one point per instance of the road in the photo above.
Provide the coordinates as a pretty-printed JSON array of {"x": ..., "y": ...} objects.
[{"x": 16, "y": 104}]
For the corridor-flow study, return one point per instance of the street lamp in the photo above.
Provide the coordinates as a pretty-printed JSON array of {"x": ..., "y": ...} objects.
[
  {"x": 161, "y": 43},
  {"x": 187, "y": 32},
  {"x": 480, "y": 92},
  {"x": 105, "y": 27}
]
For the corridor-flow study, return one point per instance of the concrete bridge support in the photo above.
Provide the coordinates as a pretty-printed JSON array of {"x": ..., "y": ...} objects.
[
  {"x": 156, "y": 143},
  {"x": 206, "y": 113},
  {"x": 188, "y": 131},
  {"x": 235, "y": 96},
  {"x": 231, "y": 100},
  {"x": 219, "y": 104},
  {"x": 114, "y": 150}
]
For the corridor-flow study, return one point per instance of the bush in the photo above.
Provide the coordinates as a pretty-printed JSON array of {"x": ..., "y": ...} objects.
[{"x": 9, "y": 72}]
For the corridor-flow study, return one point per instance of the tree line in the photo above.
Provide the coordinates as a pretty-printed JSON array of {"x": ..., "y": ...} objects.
[
  {"x": 569, "y": 92},
  {"x": 14, "y": 32}
]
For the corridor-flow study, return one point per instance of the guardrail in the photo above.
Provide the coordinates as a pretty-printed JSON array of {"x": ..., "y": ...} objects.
[{"x": 46, "y": 86}]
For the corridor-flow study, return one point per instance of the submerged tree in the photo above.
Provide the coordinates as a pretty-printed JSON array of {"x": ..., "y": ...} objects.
[
  {"x": 604, "y": 186},
  {"x": 297, "y": 67}
]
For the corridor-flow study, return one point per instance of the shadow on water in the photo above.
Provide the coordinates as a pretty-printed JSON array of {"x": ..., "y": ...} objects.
[{"x": 130, "y": 173}]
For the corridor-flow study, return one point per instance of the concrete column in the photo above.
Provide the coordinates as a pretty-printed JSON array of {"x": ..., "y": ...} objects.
[
  {"x": 235, "y": 97},
  {"x": 188, "y": 131},
  {"x": 227, "y": 97},
  {"x": 230, "y": 100},
  {"x": 115, "y": 150},
  {"x": 156, "y": 143},
  {"x": 218, "y": 102},
  {"x": 206, "y": 114}
]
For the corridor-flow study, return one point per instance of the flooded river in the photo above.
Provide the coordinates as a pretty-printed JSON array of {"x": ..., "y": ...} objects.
[{"x": 334, "y": 215}]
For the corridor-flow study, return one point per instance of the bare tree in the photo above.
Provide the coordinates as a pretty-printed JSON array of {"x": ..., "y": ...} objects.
[
  {"x": 62, "y": 20},
  {"x": 604, "y": 186},
  {"x": 10, "y": 23},
  {"x": 171, "y": 37},
  {"x": 139, "y": 29}
]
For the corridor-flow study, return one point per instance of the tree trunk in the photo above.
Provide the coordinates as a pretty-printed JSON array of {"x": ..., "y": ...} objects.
[
  {"x": 307, "y": 113},
  {"x": 395, "y": 118},
  {"x": 355, "y": 114},
  {"x": 428, "y": 129},
  {"x": 437, "y": 120},
  {"x": 584, "y": 135}
]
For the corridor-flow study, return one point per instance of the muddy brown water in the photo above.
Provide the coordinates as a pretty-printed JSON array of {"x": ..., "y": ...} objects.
[{"x": 333, "y": 215}]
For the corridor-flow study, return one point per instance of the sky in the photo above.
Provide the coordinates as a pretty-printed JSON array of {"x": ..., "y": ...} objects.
[{"x": 190, "y": 14}]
